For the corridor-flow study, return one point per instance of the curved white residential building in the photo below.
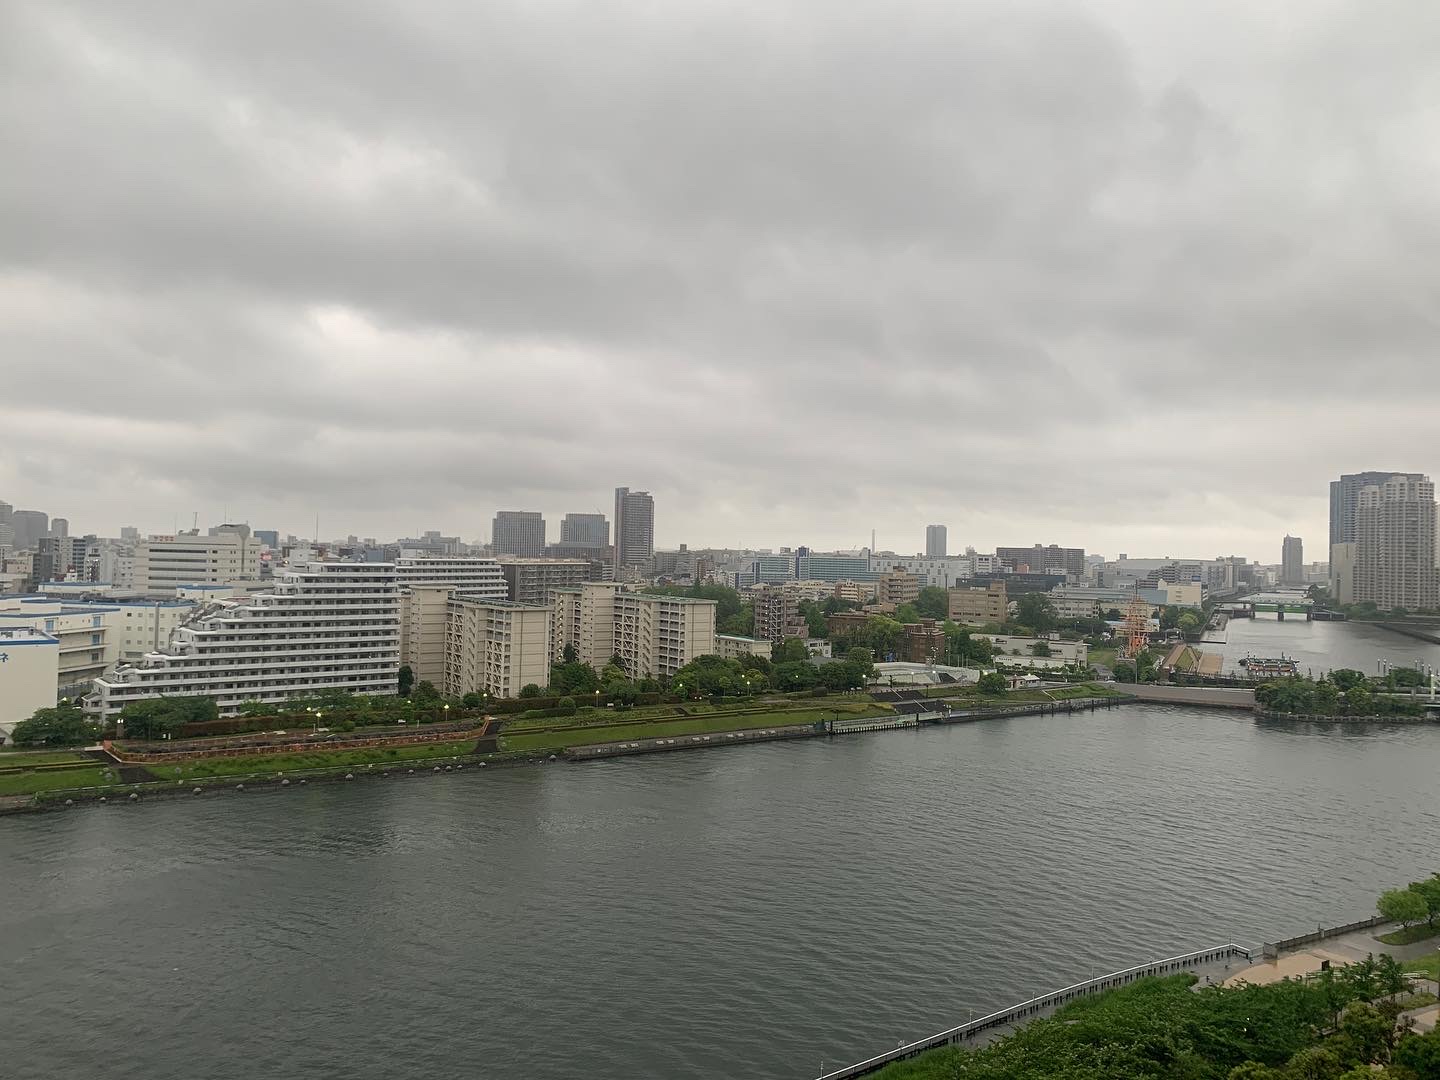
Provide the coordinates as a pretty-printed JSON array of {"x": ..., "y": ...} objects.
[{"x": 325, "y": 626}]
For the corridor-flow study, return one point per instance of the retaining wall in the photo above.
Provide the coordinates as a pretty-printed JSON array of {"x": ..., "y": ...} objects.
[
  {"x": 1212, "y": 696},
  {"x": 1271, "y": 950}
]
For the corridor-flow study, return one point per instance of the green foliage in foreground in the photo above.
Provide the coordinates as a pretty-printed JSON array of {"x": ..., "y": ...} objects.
[{"x": 1159, "y": 1029}]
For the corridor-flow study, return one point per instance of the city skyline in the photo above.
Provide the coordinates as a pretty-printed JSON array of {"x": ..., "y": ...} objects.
[
  {"x": 1259, "y": 549},
  {"x": 1079, "y": 283}
]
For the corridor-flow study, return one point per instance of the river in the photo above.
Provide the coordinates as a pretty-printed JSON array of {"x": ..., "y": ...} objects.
[
  {"x": 745, "y": 912},
  {"x": 1320, "y": 646}
]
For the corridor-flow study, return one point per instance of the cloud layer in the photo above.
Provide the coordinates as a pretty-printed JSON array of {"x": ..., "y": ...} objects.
[{"x": 1041, "y": 270}]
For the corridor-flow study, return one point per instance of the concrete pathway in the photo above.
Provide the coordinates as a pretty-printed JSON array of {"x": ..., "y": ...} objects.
[{"x": 1345, "y": 949}]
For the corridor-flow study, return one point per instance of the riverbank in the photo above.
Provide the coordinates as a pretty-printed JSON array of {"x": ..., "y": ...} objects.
[
  {"x": 133, "y": 772},
  {"x": 1230, "y": 968}
]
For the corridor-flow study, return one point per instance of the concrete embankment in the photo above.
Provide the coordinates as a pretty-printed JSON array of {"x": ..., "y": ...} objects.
[
  {"x": 1216, "y": 697},
  {"x": 846, "y": 726},
  {"x": 1429, "y": 633}
]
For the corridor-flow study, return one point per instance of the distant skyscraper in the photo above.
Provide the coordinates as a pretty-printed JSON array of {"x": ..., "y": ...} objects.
[
  {"x": 59, "y": 527},
  {"x": 634, "y": 527},
  {"x": 130, "y": 533},
  {"x": 6, "y": 512},
  {"x": 518, "y": 532},
  {"x": 30, "y": 526},
  {"x": 935, "y": 542},
  {"x": 1345, "y": 496},
  {"x": 585, "y": 529},
  {"x": 1395, "y": 544},
  {"x": 1292, "y": 561}
]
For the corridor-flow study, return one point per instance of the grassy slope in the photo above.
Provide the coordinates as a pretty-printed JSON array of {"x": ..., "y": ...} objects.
[
  {"x": 28, "y": 783},
  {"x": 699, "y": 725},
  {"x": 10, "y": 759},
  {"x": 270, "y": 764}
]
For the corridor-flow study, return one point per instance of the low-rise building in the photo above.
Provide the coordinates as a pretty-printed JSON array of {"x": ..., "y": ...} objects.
[
  {"x": 857, "y": 592},
  {"x": 495, "y": 647},
  {"x": 1009, "y": 646},
  {"x": 897, "y": 587},
  {"x": 979, "y": 606},
  {"x": 88, "y": 635},
  {"x": 734, "y": 646},
  {"x": 846, "y": 624},
  {"x": 228, "y": 554},
  {"x": 922, "y": 642},
  {"x": 29, "y": 675}
]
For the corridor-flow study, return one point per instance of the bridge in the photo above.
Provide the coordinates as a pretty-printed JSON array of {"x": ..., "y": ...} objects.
[{"x": 1247, "y": 607}]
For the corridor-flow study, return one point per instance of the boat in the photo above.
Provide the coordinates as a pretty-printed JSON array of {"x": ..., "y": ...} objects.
[{"x": 1270, "y": 667}]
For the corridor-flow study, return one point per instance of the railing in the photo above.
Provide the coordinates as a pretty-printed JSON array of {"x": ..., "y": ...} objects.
[
  {"x": 1272, "y": 949},
  {"x": 1026, "y": 1010}
]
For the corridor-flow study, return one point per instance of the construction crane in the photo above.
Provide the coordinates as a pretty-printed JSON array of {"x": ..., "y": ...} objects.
[{"x": 1137, "y": 626}]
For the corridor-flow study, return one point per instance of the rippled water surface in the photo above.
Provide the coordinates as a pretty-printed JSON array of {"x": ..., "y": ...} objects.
[{"x": 746, "y": 912}]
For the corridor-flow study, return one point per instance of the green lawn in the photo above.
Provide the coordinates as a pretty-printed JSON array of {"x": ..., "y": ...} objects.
[
  {"x": 28, "y": 783},
  {"x": 270, "y": 764},
  {"x": 1429, "y": 964},
  {"x": 1419, "y": 932},
  {"x": 698, "y": 725},
  {"x": 1103, "y": 657},
  {"x": 10, "y": 759}
]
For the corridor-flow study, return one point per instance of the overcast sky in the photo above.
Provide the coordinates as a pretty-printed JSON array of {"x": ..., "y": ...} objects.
[{"x": 1123, "y": 274}]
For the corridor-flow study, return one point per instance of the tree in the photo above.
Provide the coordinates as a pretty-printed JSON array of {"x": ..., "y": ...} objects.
[
  {"x": 611, "y": 673},
  {"x": 1429, "y": 891},
  {"x": 1189, "y": 622},
  {"x": 530, "y": 690},
  {"x": 1035, "y": 610},
  {"x": 472, "y": 700},
  {"x": 569, "y": 655},
  {"x": 863, "y": 661},
  {"x": 573, "y": 678},
  {"x": 798, "y": 675},
  {"x": 1359, "y": 701},
  {"x": 815, "y": 624},
  {"x": 566, "y": 704},
  {"x": 907, "y": 613},
  {"x": 425, "y": 692},
  {"x": 63, "y": 725},
  {"x": 1404, "y": 906},
  {"x": 1040, "y": 649},
  {"x": 1419, "y": 1055},
  {"x": 1347, "y": 678},
  {"x": 407, "y": 679},
  {"x": 933, "y": 602},
  {"x": 156, "y": 718},
  {"x": 789, "y": 651},
  {"x": 1314, "y": 1063},
  {"x": 992, "y": 683}
]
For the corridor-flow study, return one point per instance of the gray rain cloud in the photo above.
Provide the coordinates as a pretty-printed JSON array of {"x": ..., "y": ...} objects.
[{"x": 1127, "y": 274}]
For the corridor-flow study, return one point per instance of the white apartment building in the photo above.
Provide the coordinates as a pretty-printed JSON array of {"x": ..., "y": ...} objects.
[
  {"x": 1395, "y": 546},
  {"x": 495, "y": 647},
  {"x": 323, "y": 626},
  {"x": 734, "y": 646},
  {"x": 653, "y": 635},
  {"x": 476, "y": 575},
  {"x": 145, "y": 626},
  {"x": 88, "y": 636},
  {"x": 941, "y": 572},
  {"x": 164, "y": 563},
  {"x": 424, "y": 613},
  {"x": 29, "y": 667}
]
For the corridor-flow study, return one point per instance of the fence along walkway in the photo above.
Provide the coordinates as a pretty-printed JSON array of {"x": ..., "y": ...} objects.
[{"x": 1028, "y": 1010}]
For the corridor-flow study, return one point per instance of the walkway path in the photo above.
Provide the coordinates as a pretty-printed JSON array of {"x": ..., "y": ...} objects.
[{"x": 1345, "y": 949}]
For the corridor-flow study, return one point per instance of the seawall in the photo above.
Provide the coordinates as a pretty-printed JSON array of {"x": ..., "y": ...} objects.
[{"x": 1215, "y": 697}]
